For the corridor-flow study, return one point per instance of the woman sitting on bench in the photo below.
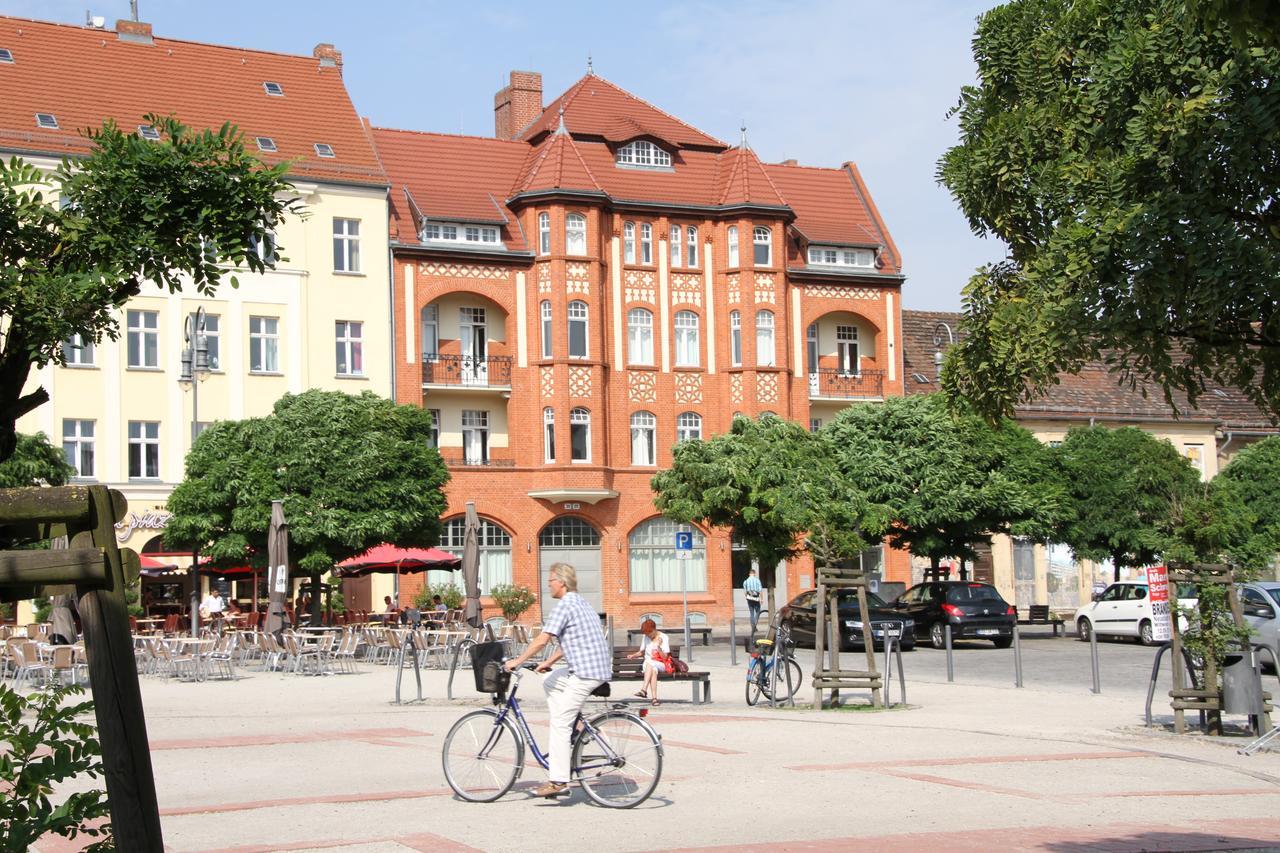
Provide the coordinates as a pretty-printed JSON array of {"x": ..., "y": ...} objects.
[{"x": 655, "y": 649}]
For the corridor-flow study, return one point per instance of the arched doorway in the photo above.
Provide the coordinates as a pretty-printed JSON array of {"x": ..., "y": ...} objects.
[{"x": 571, "y": 540}]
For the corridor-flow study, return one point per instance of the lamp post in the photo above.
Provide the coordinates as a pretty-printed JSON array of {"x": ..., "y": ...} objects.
[{"x": 195, "y": 367}]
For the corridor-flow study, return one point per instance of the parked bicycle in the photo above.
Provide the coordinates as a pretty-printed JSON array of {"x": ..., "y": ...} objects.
[
  {"x": 617, "y": 756},
  {"x": 773, "y": 664}
]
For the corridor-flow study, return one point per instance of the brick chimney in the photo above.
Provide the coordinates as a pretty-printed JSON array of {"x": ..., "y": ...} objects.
[
  {"x": 134, "y": 31},
  {"x": 790, "y": 163},
  {"x": 517, "y": 105},
  {"x": 329, "y": 56}
]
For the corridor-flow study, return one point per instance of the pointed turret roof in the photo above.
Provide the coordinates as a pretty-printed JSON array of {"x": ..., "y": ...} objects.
[
  {"x": 556, "y": 164},
  {"x": 741, "y": 179}
]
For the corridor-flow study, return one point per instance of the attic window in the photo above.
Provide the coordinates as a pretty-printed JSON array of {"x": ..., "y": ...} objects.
[
  {"x": 324, "y": 149},
  {"x": 1219, "y": 392},
  {"x": 447, "y": 232},
  {"x": 920, "y": 378},
  {"x": 146, "y": 131},
  {"x": 830, "y": 256},
  {"x": 273, "y": 88},
  {"x": 643, "y": 154},
  {"x": 6, "y": 55},
  {"x": 266, "y": 143},
  {"x": 46, "y": 120}
]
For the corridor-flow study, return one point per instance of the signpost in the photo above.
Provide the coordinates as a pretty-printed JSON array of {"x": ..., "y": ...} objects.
[
  {"x": 1158, "y": 591},
  {"x": 684, "y": 553}
]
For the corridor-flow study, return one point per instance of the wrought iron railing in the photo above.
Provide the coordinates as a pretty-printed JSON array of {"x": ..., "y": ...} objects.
[
  {"x": 466, "y": 370},
  {"x": 828, "y": 382},
  {"x": 464, "y": 462}
]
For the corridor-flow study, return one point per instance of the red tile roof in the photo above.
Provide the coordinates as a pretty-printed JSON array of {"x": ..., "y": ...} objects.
[
  {"x": 742, "y": 180},
  {"x": 84, "y": 76},
  {"x": 831, "y": 207},
  {"x": 556, "y": 164}
]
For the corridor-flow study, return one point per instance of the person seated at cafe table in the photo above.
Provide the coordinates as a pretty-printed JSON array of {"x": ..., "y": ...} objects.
[{"x": 438, "y": 605}]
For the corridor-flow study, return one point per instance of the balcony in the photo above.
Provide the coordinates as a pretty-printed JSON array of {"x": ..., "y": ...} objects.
[
  {"x": 465, "y": 371},
  {"x": 466, "y": 462},
  {"x": 832, "y": 384}
]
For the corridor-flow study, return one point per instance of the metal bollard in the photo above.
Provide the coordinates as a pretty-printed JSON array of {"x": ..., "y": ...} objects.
[
  {"x": 733, "y": 639},
  {"x": 951, "y": 669},
  {"x": 1093, "y": 655},
  {"x": 688, "y": 644},
  {"x": 609, "y": 622},
  {"x": 1017, "y": 657}
]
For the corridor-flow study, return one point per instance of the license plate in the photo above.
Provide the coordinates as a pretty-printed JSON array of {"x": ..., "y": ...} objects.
[{"x": 986, "y": 632}]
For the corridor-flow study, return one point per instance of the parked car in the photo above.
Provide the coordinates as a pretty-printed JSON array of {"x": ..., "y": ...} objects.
[
  {"x": 1124, "y": 610},
  {"x": 801, "y": 616},
  {"x": 1261, "y": 604},
  {"x": 975, "y": 611}
]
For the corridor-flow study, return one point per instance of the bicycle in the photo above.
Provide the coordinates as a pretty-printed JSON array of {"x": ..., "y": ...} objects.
[
  {"x": 617, "y": 756},
  {"x": 760, "y": 670}
]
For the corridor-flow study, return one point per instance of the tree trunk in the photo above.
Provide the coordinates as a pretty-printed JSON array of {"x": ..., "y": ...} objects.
[
  {"x": 1115, "y": 566},
  {"x": 314, "y": 620},
  {"x": 935, "y": 568}
]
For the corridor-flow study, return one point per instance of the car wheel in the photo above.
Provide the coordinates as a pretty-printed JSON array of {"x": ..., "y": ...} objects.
[
  {"x": 909, "y": 646},
  {"x": 1003, "y": 642},
  {"x": 937, "y": 638},
  {"x": 1145, "y": 635},
  {"x": 1083, "y": 629}
]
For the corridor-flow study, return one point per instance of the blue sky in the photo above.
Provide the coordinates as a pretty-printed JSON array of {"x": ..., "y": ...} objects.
[{"x": 822, "y": 82}]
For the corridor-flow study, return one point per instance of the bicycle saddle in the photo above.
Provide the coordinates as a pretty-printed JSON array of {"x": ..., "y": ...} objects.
[{"x": 602, "y": 691}]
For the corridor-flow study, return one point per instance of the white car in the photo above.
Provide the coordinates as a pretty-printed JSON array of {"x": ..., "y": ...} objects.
[
  {"x": 1124, "y": 610},
  {"x": 1261, "y": 601}
]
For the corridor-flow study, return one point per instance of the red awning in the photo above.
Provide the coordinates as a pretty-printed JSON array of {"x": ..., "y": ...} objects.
[{"x": 390, "y": 558}]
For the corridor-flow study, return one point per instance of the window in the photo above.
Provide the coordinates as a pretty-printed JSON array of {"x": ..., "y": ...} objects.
[
  {"x": 266, "y": 143},
  {"x": 273, "y": 88},
  {"x": 764, "y": 339},
  {"x": 146, "y": 131},
  {"x": 435, "y": 428},
  {"x": 646, "y": 243},
  {"x": 692, "y": 232},
  {"x": 653, "y": 563},
  {"x": 6, "y": 55},
  {"x": 349, "y": 343},
  {"x": 811, "y": 347},
  {"x": 430, "y": 332},
  {"x": 688, "y": 426},
  {"x": 439, "y": 232},
  {"x": 815, "y": 424},
  {"x": 77, "y": 350},
  {"x": 829, "y": 256},
  {"x": 144, "y": 450},
  {"x": 212, "y": 339},
  {"x": 549, "y": 434},
  {"x": 144, "y": 338},
  {"x": 265, "y": 247},
  {"x": 575, "y": 234},
  {"x": 675, "y": 245},
  {"x": 762, "y": 241},
  {"x": 686, "y": 339},
  {"x": 639, "y": 336},
  {"x": 495, "y": 553},
  {"x": 324, "y": 149},
  {"x": 546, "y": 329},
  {"x": 629, "y": 243},
  {"x": 847, "y": 349},
  {"x": 346, "y": 245},
  {"x": 733, "y": 245},
  {"x": 735, "y": 338},
  {"x": 544, "y": 233},
  {"x": 577, "y": 329},
  {"x": 48, "y": 121},
  {"x": 1195, "y": 455},
  {"x": 264, "y": 345},
  {"x": 579, "y": 435},
  {"x": 644, "y": 428},
  {"x": 77, "y": 446},
  {"x": 449, "y": 232},
  {"x": 644, "y": 154},
  {"x": 475, "y": 437},
  {"x": 569, "y": 531}
]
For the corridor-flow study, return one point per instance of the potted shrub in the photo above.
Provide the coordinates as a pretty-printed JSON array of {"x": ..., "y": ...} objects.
[{"x": 512, "y": 600}]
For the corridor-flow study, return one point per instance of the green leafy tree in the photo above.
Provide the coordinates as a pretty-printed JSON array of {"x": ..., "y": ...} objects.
[
  {"x": 1128, "y": 153},
  {"x": 353, "y": 472},
  {"x": 34, "y": 462},
  {"x": 939, "y": 484},
  {"x": 512, "y": 600},
  {"x": 1126, "y": 486},
  {"x": 1253, "y": 476}
]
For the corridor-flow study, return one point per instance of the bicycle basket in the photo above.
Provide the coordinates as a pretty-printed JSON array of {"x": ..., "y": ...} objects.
[{"x": 486, "y": 664}]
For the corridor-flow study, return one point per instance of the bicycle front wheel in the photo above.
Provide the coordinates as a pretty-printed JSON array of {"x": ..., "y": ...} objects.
[
  {"x": 785, "y": 693},
  {"x": 482, "y": 756},
  {"x": 753, "y": 681},
  {"x": 618, "y": 760}
]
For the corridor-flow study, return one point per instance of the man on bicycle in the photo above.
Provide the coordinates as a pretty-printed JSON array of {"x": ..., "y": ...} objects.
[{"x": 577, "y": 626}]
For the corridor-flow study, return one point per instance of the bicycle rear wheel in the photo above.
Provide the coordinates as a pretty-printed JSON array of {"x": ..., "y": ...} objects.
[
  {"x": 620, "y": 763},
  {"x": 753, "y": 680},
  {"x": 482, "y": 756},
  {"x": 793, "y": 669}
]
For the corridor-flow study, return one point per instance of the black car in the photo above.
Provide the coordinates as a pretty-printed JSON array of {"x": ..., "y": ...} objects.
[
  {"x": 800, "y": 614},
  {"x": 975, "y": 611}
]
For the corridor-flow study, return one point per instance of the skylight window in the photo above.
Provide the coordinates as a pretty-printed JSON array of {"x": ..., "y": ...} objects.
[
  {"x": 6, "y": 55},
  {"x": 273, "y": 88},
  {"x": 46, "y": 120},
  {"x": 146, "y": 131},
  {"x": 324, "y": 149},
  {"x": 266, "y": 143}
]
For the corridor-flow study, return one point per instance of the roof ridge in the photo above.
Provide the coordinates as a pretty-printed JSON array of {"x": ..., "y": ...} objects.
[
  {"x": 760, "y": 165},
  {"x": 655, "y": 108},
  {"x": 451, "y": 135},
  {"x": 537, "y": 164},
  {"x": 573, "y": 146}
]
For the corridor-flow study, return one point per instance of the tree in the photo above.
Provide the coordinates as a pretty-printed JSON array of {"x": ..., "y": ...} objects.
[
  {"x": 1253, "y": 477},
  {"x": 1126, "y": 486},
  {"x": 353, "y": 472},
  {"x": 34, "y": 462},
  {"x": 939, "y": 484},
  {"x": 1128, "y": 152},
  {"x": 166, "y": 212}
]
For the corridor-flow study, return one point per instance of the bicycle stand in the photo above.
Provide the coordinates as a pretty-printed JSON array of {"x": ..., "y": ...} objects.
[{"x": 893, "y": 646}]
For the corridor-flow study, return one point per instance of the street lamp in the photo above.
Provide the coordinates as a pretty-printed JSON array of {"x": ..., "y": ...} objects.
[{"x": 195, "y": 367}]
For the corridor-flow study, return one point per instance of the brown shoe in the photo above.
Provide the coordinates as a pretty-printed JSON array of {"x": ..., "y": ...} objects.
[{"x": 551, "y": 789}]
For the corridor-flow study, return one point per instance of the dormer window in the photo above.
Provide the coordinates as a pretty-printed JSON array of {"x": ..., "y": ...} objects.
[
  {"x": 324, "y": 149},
  {"x": 830, "y": 256},
  {"x": 273, "y": 88},
  {"x": 6, "y": 55},
  {"x": 146, "y": 131},
  {"x": 266, "y": 143},
  {"x": 449, "y": 232},
  {"x": 47, "y": 121},
  {"x": 643, "y": 154}
]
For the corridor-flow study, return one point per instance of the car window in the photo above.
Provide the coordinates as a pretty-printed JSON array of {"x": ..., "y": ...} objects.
[
  {"x": 1252, "y": 596},
  {"x": 1187, "y": 590},
  {"x": 1114, "y": 592},
  {"x": 851, "y": 595},
  {"x": 1136, "y": 593},
  {"x": 1275, "y": 593},
  {"x": 804, "y": 599},
  {"x": 973, "y": 592}
]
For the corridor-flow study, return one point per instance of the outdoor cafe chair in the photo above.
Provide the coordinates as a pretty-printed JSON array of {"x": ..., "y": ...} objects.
[
  {"x": 301, "y": 654},
  {"x": 345, "y": 655},
  {"x": 222, "y": 656},
  {"x": 62, "y": 661},
  {"x": 29, "y": 664}
]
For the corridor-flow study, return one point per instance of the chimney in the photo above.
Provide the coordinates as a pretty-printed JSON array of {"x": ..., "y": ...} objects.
[
  {"x": 329, "y": 56},
  {"x": 790, "y": 163},
  {"x": 134, "y": 31},
  {"x": 517, "y": 105}
]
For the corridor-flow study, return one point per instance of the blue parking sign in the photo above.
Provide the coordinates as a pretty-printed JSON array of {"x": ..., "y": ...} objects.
[{"x": 684, "y": 544}]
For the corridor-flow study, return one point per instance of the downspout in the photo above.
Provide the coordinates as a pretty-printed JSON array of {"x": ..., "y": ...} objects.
[
  {"x": 1222, "y": 451},
  {"x": 391, "y": 304}
]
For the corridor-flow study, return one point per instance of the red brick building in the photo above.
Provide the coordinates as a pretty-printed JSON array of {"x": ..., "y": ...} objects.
[{"x": 599, "y": 281}]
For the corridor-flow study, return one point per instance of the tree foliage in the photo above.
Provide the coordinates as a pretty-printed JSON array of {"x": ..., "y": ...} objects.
[
  {"x": 1128, "y": 153},
  {"x": 34, "y": 462},
  {"x": 1253, "y": 478},
  {"x": 135, "y": 211},
  {"x": 938, "y": 484},
  {"x": 353, "y": 472}
]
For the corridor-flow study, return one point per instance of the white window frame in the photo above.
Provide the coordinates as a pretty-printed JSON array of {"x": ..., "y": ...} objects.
[
  {"x": 545, "y": 310},
  {"x": 847, "y": 343},
  {"x": 832, "y": 256},
  {"x": 651, "y": 545},
  {"x": 76, "y": 352},
  {"x": 628, "y": 242},
  {"x": 643, "y": 154},
  {"x": 549, "y": 434},
  {"x": 762, "y": 243},
  {"x": 676, "y": 240},
  {"x": 429, "y": 325},
  {"x": 646, "y": 244},
  {"x": 692, "y": 255},
  {"x": 146, "y": 444},
  {"x": 640, "y": 336},
  {"x": 688, "y": 426},
  {"x": 144, "y": 339},
  {"x": 811, "y": 347},
  {"x": 544, "y": 233},
  {"x": 79, "y": 445},
  {"x": 687, "y": 335},
  {"x": 349, "y": 347},
  {"x": 766, "y": 351},
  {"x": 644, "y": 439},
  {"x": 266, "y": 337},
  {"x": 579, "y": 317},
  {"x": 346, "y": 245},
  {"x": 815, "y": 424},
  {"x": 731, "y": 240},
  {"x": 575, "y": 234},
  {"x": 580, "y": 425},
  {"x": 735, "y": 338},
  {"x": 435, "y": 428},
  {"x": 475, "y": 436}
]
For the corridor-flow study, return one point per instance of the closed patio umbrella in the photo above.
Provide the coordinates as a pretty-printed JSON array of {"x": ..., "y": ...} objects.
[
  {"x": 277, "y": 567},
  {"x": 471, "y": 565}
]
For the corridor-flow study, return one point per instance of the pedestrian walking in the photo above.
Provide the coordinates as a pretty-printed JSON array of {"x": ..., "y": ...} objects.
[{"x": 751, "y": 589}]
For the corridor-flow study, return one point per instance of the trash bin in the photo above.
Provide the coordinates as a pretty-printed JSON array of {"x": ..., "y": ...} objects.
[{"x": 1241, "y": 685}]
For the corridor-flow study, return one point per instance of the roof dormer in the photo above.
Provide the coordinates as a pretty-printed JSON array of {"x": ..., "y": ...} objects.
[{"x": 643, "y": 154}]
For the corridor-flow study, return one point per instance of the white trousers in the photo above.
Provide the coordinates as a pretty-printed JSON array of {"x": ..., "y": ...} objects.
[{"x": 566, "y": 694}]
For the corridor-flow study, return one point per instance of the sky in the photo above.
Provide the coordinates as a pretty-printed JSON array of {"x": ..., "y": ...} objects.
[{"x": 823, "y": 82}]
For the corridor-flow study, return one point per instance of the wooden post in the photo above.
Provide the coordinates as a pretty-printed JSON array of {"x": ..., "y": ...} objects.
[
  {"x": 1179, "y": 716},
  {"x": 868, "y": 642},
  {"x": 833, "y": 637},
  {"x": 819, "y": 640}
]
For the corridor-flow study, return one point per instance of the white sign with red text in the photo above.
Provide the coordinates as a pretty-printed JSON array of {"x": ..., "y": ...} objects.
[{"x": 1158, "y": 593}]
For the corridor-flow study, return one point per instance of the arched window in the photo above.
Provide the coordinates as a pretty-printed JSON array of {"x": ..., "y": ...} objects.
[
  {"x": 688, "y": 426},
  {"x": 639, "y": 336},
  {"x": 495, "y": 553},
  {"x": 544, "y": 233},
  {"x": 644, "y": 439},
  {"x": 569, "y": 531},
  {"x": 652, "y": 557},
  {"x": 546, "y": 328},
  {"x": 646, "y": 243},
  {"x": 686, "y": 339},
  {"x": 764, "y": 339},
  {"x": 675, "y": 245},
  {"x": 692, "y": 231},
  {"x": 430, "y": 332},
  {"x": 577, "y": 329},
  {"x": 733, "y": 245},
  {"x": 643, "y": 153},
  {"x": 762, "y": 241},
  {"x": 549, "y": 434},
  {"x": 580, "y": 435},
  {"x": 629, "y": 243},
  {"x": 735, "y": 338},
  {"x": 575, "y": 234}
]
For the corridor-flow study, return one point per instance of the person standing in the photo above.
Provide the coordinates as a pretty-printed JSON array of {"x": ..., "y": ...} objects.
[
  {"x": 62, "y": 631},
  {"x": 751, "y": 589},
  {"x": 590, "y": 663}
]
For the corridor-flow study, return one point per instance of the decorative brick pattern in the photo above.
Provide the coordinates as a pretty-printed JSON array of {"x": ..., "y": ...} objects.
[
  {"x": 735, "y": 294},
  {"x": 548, "y": 382},
  {"x": 544, "y": 278},
  {"x": 639, "y": 294},
  {"x": 735, "y": 389},
  {"x": 688, "y": 387},
  {"x": 463, "y": 271},
  {"x": 576, "y": 270},
  {"x": 766, "y": 296},
  {"x": 836, "y": 292},
  {"x": 764, "y": 280},
  {"x": 767, "y": 387},
  {"x": 642, "y": 387},
  {"x": 579, "y": 382},
  {"x": 686, "y": 289}
]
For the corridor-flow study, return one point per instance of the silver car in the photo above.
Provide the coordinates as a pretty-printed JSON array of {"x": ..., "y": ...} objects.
[{"x": 1261, "y": 604}]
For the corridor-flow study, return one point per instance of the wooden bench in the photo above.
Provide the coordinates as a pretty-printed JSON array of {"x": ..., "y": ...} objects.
[
  {"x": 1040, "y": 616},
  {"x": 704, "y": 633},
  {"x": 625, "y": 669}
]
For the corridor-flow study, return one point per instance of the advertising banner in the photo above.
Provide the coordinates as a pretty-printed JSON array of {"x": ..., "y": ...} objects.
[{"x": 1158, "y": 592}]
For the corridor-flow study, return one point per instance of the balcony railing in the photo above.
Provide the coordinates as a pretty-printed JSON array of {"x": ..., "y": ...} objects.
[
  {"x": 466, "y": 371},
  {"x": 464, "y": 462},
  {"x": 828, "y": 382}
]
